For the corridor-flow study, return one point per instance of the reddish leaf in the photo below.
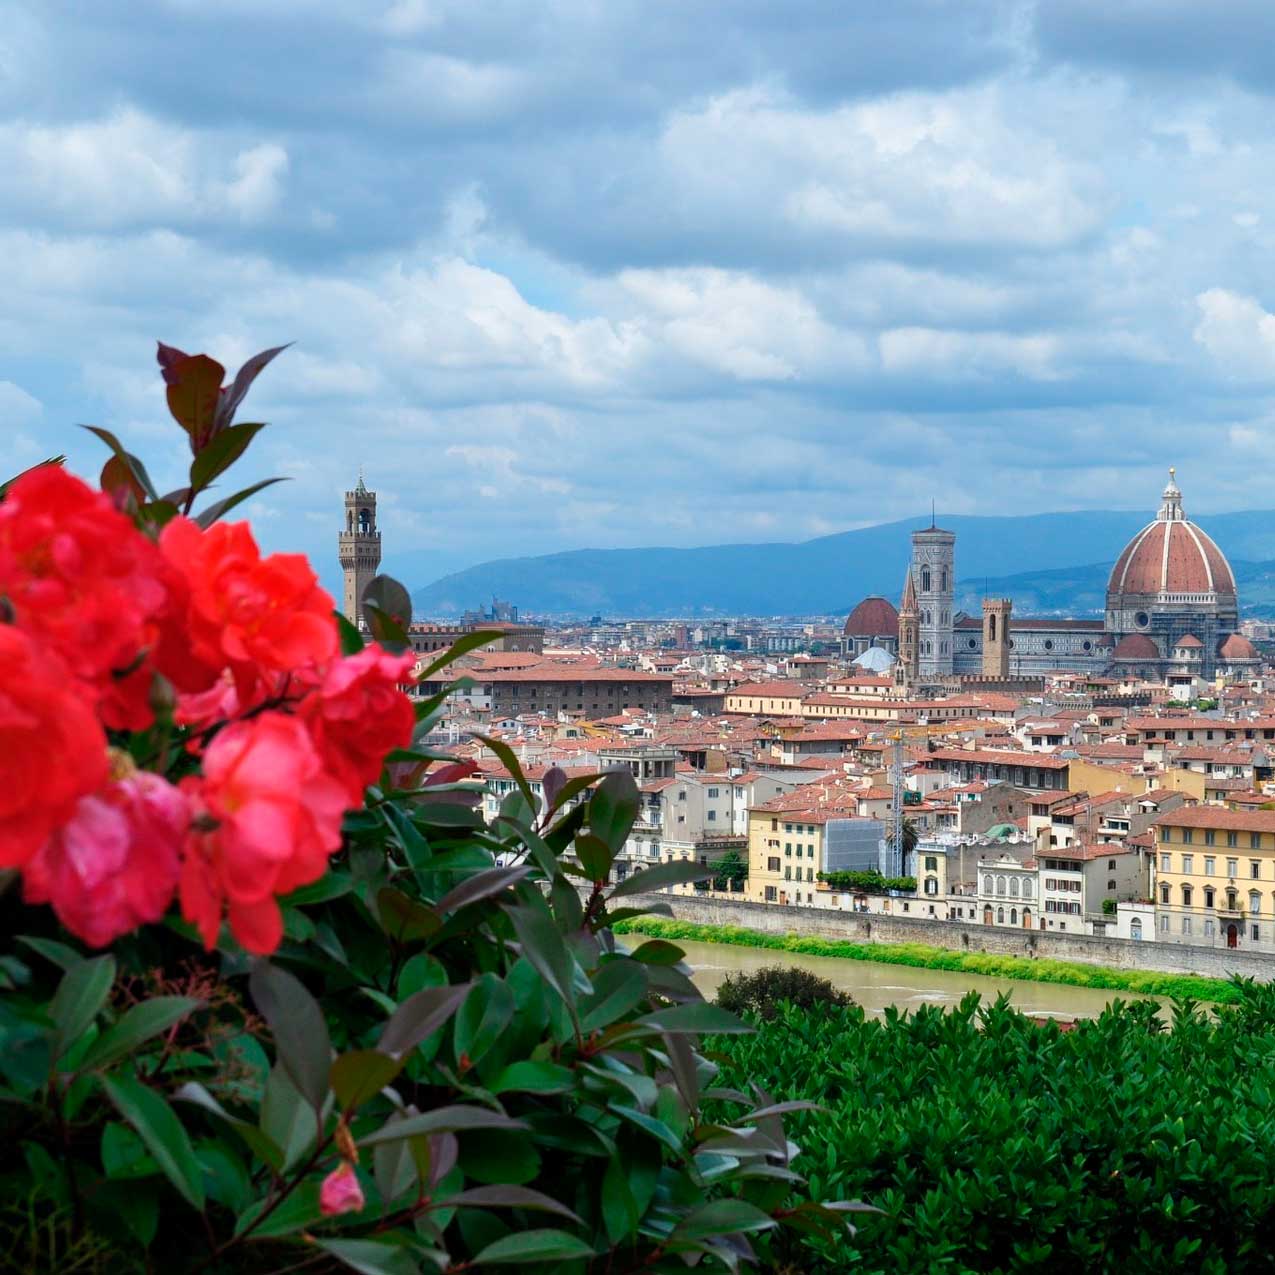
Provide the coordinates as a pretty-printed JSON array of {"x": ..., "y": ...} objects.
[
  {"x": 168, "y": 356},
  {"x": 233, "y": 395},
  {"x": 119, "y": 482},
  {"x": 194, "y": 386}
]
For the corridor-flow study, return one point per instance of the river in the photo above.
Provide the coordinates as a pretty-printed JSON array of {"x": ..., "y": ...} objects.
[{"x": 874, "y": 985}]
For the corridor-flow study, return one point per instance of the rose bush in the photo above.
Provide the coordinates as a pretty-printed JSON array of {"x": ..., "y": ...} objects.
[{"x": 273, "y": 994}]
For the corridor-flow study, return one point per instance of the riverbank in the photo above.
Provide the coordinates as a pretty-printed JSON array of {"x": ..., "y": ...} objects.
[{"x": 922, "y": 956}]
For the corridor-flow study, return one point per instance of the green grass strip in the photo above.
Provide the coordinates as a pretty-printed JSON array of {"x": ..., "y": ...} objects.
[{"x": 921, "y": 956}]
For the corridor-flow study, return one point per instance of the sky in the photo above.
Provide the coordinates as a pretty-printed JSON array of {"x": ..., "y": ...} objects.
[{"x": 595, "y": 273}]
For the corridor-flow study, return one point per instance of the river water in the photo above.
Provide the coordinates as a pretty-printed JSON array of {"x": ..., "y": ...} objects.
[{"x": 874, "y": 986}]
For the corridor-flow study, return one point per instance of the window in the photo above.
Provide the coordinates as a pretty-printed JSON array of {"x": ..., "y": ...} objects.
[
  {"x": 1209, "y": 929},
  {"x": 1256, "y": 933},
  {"x": 712, "y": 816},
  {"x": 1255, "y": 903},
  {"x": 1188, "y": 863},
  {"x": 1164, "y": 893},
  {"x": 1254, "y": 840},
  {"x": 931, "y": 863},
  {"x": 713, "y": 792},
  {"x": 1232, "y": 867},
  {"x": 1000, "y": 916},
  {"x": 1029, "y": 888},
  {"x": 1111, "y": 865},
  {"x": 772, "y": 865},
  {"x": 1210, "y": 837},
  {"x": 1232, "y": 839},
  {"x": 1013, "y": 887},
  {"x": 1166, "y": 862},
  {"x": 1186, "y": 925},
  {"x": 771, "y": 894},
  {"x": 1188, "y": 836},
  {"x": 1255, "y": 869},
  {"x": 787, "y": 871},
  {"x": 681, "y": 796},
  {"x": 1111, "y": 885},
  {"x": 1186, "y": 896},
  {"x": 787, "y": 849},
  {"x": 1135, "y": 928},
  {"x": 1000, "y": 885},
  {"x": 987, "y": 885},
  {"x": 1164, "y": 924},
  {"x": 810, "y": 874},
  {"x": 1208, "y": 896},
  {"x": 1210, "y": 865}
]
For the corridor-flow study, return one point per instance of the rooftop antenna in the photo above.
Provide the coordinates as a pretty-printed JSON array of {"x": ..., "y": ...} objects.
[{"x": 933, "y": 515}]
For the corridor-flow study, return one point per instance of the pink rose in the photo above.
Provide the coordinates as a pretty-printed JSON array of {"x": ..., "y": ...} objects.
[{"x": 340, "y": 1192}]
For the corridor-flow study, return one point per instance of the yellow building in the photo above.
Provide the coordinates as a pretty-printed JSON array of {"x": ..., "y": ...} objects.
[
  {"x": 766, "y": 699},
  {"x": 785, "y": 852},
  {"x": 1214, "y": 877}
]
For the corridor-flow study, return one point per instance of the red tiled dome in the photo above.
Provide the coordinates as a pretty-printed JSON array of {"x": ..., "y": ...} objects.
[
  {"x": 1238, "y": 647},
  {"x": 1171, "y": 555},
  {"x": 873, "y": 617},
  {"x": 1137, "y": 646},
  {"x": 1191, "y": 642}
]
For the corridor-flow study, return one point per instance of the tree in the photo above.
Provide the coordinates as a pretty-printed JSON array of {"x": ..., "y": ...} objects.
[{"x": 731, "y": 871}]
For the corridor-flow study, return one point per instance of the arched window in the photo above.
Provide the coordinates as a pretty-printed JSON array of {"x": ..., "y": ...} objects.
[
  {"x": 1029, "y": 888},
  {"x": 1013, "y": 887},
  {"x": 1135, "y": 928},
  {"x": 1000, "y": 916},
  {"x": 987, "y": 885},
  {"x": 925, "y": 581},
  {"x": 1000, "y": 885},
  {"x": 944, "y": 580},
  {"x": 1013, "y": 916},
  {"x": 991, "y": 628}
]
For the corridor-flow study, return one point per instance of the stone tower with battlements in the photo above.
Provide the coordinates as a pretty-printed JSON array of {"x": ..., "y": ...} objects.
[
  {"x": 996, "y": 644},
  {"x": 934, "y": 570},
  {"x": 360, "y": 548}
]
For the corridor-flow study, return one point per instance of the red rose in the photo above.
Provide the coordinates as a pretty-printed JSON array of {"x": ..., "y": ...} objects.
[
  {"x": 267, "y": 816},
  {"x": 358, "y": 714},
  {"x": 52, "y": 747}
]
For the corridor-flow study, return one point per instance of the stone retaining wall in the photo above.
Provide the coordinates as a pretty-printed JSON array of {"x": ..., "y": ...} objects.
[{"x": 771, "y": 918}]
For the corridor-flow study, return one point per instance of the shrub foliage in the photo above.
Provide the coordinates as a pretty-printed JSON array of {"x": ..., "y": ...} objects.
[{"x": 760, "y": 992}]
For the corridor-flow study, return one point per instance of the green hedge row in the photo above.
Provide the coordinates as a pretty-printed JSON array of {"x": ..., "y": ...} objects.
[
  {"x": 922, "y": 956},
  {"x": 993, "y": 1144}
]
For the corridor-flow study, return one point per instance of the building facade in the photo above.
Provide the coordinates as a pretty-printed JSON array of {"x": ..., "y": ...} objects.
[{"x": 934, "y": 576}]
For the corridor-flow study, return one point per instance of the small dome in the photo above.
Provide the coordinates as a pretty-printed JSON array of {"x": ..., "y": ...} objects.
[
  {"x": 1191, "y": 643},
  {"x": 1137, "y": 646},
  {"x": 876, "y": 659},
  {"x": 1238, "y": 647},
  {"x": 873, "y": 617},
  {"x": 1171, "y": 555}
]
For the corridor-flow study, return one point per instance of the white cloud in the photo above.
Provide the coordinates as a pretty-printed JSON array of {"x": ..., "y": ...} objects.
[
  {"x": 17, "y": 407},
  {"x": 1238, "y": 333}
]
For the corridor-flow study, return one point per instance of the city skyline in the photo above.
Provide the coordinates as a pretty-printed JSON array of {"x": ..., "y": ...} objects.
[{"x": 797, "y": 279}]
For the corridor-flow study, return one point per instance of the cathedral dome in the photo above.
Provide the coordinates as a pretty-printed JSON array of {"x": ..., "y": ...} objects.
[
  {"x": 1172, "y": 556},
  {"x": 873, "y": 617},
  {"x": 1238, "y": 647},
  {"x": 1137, "y": 646}
]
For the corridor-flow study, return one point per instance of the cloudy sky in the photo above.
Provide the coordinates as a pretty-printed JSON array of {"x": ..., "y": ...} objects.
[{"x": 619, "y": 272}]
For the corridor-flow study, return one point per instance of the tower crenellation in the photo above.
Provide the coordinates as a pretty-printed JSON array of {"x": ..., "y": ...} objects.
[{"x": 359, "y": 548}]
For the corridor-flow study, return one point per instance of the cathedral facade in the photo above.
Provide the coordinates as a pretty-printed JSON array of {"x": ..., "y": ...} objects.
[{"x": 1172, "y": 608}]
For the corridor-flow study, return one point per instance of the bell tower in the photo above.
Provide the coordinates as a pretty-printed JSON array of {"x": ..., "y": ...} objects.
[
  {"x": 996, "y": 612},
  {"x": 906, "y": 666},
  {"x": 359, "y": 545}
]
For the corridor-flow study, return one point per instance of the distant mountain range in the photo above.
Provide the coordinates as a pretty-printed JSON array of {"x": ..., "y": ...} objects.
[{"x": 1030, "y": 558}]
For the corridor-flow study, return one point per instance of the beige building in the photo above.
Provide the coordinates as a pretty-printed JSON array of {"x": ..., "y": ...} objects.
[{"x": 1215, "y": 877}]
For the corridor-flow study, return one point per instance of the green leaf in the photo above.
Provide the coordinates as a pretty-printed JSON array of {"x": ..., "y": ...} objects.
[
  {"x": 442, "y": 1120},
  {"x": 462, "y": 646},
  {"x": 161, "y": 1131},
  {"x": 544, "y": 947},
  {"x": 371, "y": 1257},
  {"x": 658, "y": 952},
  {"x": 220, "y": 453},
  {"x": 721, "y": 1217},
  {"x": 487, "y": 1012},
  {"x": 618, "y": 986},
  {"x": 300, "y": 1032},
  {"x": 698, "y": 1017},
  {"x": 61, "y": 955},
  {"x": 527, "y": 1076},
  {"x": 213, "y": 512},
  {"x": 357, "y": 1077},
  {"x": 649, "y": 1124},
  {"x": 351, "y": 639},
  {"x": 124, "y": 1154},
  {"x": 261, "y": 1144},
  {"x": 533, "y": 1246},
  {"x": 482, "y": 885},
  {"x": 138, "y": 1025},
  {"x": 78, "y": 1000},
  {"x": 403, "y": 918},
  {"x": 613, "y": 808},
  {"x": 619, "y": 1208},
  {"x": 300, "y": 1210},
  {"x": 508, "y": 1197},
  {"x": 511, "y": 763},
  {"x": 419, "y": 1016},
  {"x": 286, "y": 1118},
  {"x": 596, "y": 857},
  {"x": 660, "y": 875}
]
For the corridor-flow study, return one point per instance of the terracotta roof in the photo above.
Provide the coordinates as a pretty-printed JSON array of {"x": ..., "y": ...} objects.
[
  {"x": 1171, "y": 556},
  {"x": 1001, "y": 757},
  {"x": 1220, "y": 818},
  {"x": 1238, "y": 647},
  {"x": 770, "y": 690},
  {"x": 1136, "y": 646},
  {"x": 873, "y": 617}
]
